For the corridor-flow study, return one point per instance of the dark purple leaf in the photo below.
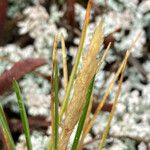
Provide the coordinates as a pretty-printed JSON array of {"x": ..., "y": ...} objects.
[{"x": 18, "y": 71}]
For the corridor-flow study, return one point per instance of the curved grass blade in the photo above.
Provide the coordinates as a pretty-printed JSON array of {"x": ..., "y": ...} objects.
[
  {"x": 23, "y": 114},
  {"x": 83, "y": 115},
  {"x": 5, "y": 128},
  {"x": 71, "y": 81}
]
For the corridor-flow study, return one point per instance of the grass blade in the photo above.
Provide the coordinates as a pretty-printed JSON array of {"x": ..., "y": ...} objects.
[
  {"x": 56, "y": 123},
  {"x": 110, "y": 87},
  {"x": 65, "y": 70},
  {"x": 3, "y": 120},
  {"x": 104, "y": 55},
  {"x": 52, "y": 107},
  {"x": 80, "y": 145},
  {"x": 23, "y": 114},
  {"x": 85, "y": 129},
  {"x": 83, "y": 115},
  {"x": 112, "y": 112},
  {"x": 71, "y": 81},
  {"x": 6, "y": 131}
]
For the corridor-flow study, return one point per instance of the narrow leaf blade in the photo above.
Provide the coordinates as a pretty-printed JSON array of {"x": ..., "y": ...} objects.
[
  {"x": 6, "y": 130},
  {"x": 23, "y": 114},
  {"x": 83, "y": 115},
  {"x": 56, "y": 123}
]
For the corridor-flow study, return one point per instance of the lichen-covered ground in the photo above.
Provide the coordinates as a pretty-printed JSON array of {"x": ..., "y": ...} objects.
[{"x": 29, "y": 32}]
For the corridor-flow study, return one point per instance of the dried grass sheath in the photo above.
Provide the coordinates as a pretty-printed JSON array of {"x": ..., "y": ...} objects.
[{"x": 90, "y": 66}]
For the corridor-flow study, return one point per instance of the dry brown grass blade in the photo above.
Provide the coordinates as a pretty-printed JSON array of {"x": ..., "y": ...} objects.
[
  {"x": 52, "y": 89},
  {"x": 109, "y": 88},
  {"x": 65, "y": 70},
  {"x": 104, "y": 56},
  {"x": 82, "y": 82},
  {"x": 6, "y": 140},
  {"x": 105, "y": 133}
]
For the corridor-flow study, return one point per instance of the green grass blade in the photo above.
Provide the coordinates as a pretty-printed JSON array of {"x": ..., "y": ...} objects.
[
  {"x": 23, "y": 114},
  {"x": 50, "y": 145},
  {"x": 83, "y": 115},
  {"x": 73, "y": 73},
  {"x": 56, "y": 114},
  {"x": 56, "y": 122},
  {"x": 5, "y": 128}
]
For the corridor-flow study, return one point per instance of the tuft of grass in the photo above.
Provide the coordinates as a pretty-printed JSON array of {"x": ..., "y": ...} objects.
[
  {"x": 79, "y": 108},
  {"x": 6, "y": 131},
  {"x": 77, "y": 60},
  {"x": 83, "y": 115},
  {"x": 90, "y": 67},
  {"x": 99, "y": 64},
  {"x": 110, "y": 87},
  {"x": 23, "y": 114}
]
